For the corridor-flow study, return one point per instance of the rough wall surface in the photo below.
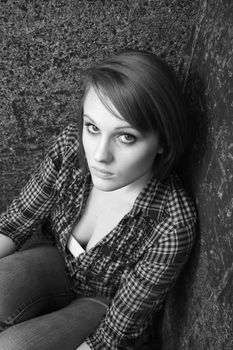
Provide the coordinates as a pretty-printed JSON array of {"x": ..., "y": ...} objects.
[
  {"x": 200, "y": 311},
  {"x": 44, "y": 47}
]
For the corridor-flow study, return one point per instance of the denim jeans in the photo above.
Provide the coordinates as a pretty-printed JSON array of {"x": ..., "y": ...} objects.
[{"x": 38, "y": 309}]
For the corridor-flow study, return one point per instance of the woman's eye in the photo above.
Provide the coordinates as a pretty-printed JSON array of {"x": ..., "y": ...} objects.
[
  {"x": 91, "y": 128},
  {"x": 127, "y": 138}
]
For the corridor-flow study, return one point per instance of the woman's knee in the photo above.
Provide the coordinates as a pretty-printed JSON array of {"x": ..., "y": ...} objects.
[
  {"x": 13, "y": 272},
  {"x": 26, "y": 286},
  {"x": 10, "y": 341}
]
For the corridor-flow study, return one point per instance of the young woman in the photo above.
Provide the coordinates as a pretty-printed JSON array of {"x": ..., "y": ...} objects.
[{"x": 122, "y": 224}]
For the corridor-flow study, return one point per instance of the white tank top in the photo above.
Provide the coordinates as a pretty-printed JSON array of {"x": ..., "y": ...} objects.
[{"x": 74, "y": 247}]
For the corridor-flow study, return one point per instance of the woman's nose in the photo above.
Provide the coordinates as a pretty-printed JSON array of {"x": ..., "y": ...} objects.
[{"x": 103, "y": 152}]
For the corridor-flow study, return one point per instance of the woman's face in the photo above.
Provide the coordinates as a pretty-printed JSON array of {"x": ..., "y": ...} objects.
[{"x": 117, "y": 154}]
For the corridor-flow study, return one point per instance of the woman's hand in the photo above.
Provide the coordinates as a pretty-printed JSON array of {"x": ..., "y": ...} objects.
[
  {"x": 7, "y": 246},
  {"x": 84, "y": 346}
]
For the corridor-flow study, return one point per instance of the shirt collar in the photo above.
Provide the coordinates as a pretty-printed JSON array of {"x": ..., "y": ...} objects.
[{"x": 151, "y": 201}]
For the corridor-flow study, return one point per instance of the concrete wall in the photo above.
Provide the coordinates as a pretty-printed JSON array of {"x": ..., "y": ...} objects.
[{"x": 44, "y": 47}]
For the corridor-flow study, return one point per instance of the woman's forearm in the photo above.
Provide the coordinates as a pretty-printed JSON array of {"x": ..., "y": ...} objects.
[{"x": 7, "y": 246}]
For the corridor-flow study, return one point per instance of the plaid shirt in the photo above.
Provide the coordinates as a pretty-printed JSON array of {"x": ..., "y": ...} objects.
[{"x": 135, "y": 265}]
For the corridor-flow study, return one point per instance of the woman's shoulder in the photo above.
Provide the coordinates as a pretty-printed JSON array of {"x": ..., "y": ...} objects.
[
  {"x": 174, "y": 212},
  {"x": 180, "y": 202},
  {"x": 167, "y": 199},
  {"x": 68, "y": 136},
  {"x": 65, "y": 143}
]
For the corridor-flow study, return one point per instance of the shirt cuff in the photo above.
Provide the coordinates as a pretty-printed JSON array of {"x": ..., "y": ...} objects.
[{"x": 98, "y": 342}]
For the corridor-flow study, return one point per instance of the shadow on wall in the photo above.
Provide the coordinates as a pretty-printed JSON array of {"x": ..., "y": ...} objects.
[
  {"x": 172, "y": 322},
  {"x": 191, "y": 165}
]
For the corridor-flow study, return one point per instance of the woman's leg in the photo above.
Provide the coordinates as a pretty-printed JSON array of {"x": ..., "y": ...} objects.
[
  {"x": 64, "y": 329},
  {"x": 32, "y": 282}
]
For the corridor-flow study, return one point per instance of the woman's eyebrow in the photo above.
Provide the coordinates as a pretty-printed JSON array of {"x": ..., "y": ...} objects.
[
  {"x": 125, "y": 127},
  {"x": 87, "y": 116},
  {"x": 122, "y": 127}
]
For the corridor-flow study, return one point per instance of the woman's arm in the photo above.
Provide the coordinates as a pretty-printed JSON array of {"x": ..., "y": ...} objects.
[
  {"x": 36, "y": 199},
  {"x": 32, "y": 205},
  {"x": 7, "y": 246}
]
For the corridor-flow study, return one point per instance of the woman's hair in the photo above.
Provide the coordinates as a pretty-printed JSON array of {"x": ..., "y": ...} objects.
[{"x": 143, "y": 89}]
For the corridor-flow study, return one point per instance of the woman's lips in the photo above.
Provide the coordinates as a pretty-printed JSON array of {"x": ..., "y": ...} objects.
[{"x": 101, "y": 172}]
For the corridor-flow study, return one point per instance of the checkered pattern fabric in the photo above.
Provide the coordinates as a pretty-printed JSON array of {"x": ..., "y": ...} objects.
[{"x": 135, "y": 265}]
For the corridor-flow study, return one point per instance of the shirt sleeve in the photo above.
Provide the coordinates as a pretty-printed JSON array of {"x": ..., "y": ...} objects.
[
  {"x": 37, "y": 197},
  {"x": 145, "y": 288}
]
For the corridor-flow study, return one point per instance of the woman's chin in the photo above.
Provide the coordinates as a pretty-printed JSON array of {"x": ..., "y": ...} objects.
[{"x": 104, "y": 185}]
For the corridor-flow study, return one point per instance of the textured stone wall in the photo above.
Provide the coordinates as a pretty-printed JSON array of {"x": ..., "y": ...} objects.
[
  {"x": 200, "y": 311},
  {"x": 44, "y": 45}
]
